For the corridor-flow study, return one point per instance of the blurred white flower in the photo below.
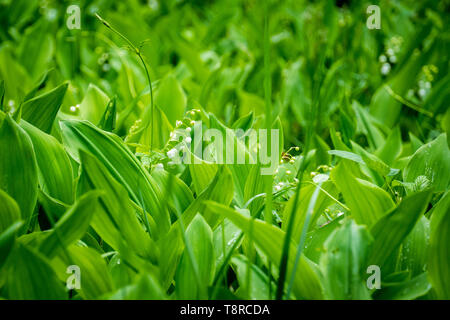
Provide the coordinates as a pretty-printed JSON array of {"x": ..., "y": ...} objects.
[
  {"x": 172, "y": 153},
  {"x": 385, "y": 69},
  {"x": 422, "y": 92}
]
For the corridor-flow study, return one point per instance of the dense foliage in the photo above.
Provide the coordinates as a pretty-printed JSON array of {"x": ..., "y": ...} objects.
[{"x": 357, "y": 208}]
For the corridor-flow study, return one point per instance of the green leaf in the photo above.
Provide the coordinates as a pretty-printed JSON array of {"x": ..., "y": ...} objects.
[
  {"x": 39, "y": 85},
  {"x": 315, "y": 241},
  {"x": 180, "y": 196},
  {"x": 108, "y": 120},
  {"x": 54, "y": 167},
  {"x": 171, "y": 246},
  {"x": 110, "y": 150},
  {"x": 95, "y": 279},
  {"x": 245, "y": 122},
  {"x": 72, "y": 225},
  {"x": 94, "y": 104},
  {"x": 202, "y": 173},
  {"x": 344, "y": 262},
  {"x": 115, "y": 221},
  {"x": 259, "y": 288},
  {"x": 171, "y": 98},
  {"x": 255, "y": 184},
  {"x": 9, "y": 211},
  {"x": 433, "y": 161},
  {"x": 439, "y": 253},
  {"x": 390, "y": 231},
  {"x": 367, "y": 202},
  {"x": 391, "y": 148},
  {"x": 270, "y": 240},
  {"x": 41, "y": 111},
  {"x": 18, "y": 170},
  {"x": 7, "y": 238},
  {"x": 52, "y": 207},
  {"x": 31, "y": 277},
  {"x": 199, "y": 237},
  {"x": 384, "y": 106},
  {"x": 145, "y": 287},
  {"x": 38, "y": 43},
  {"x": 308, "y": 193},
  {"x": 160, "y": 130},
  {"x": 414, "y": 249},
  {"x": 408, "y": 290}
]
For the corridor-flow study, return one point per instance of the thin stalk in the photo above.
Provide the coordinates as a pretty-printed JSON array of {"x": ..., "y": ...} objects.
[
  {"x": 309, "y": 210},
  {"x": 138, "y": 53},
  {"x": 315, "y": 109},
  {"x": 268, "y": 111}
]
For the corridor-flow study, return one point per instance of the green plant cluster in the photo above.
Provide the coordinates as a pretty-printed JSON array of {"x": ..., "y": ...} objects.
[{"x": 89, "y": 116}]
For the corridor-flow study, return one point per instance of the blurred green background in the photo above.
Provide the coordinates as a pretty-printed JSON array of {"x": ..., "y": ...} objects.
[{"x": 211, "y": 54}]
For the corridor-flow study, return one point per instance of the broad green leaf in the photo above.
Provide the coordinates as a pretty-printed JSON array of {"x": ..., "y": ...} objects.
[
  {"x": 54, "y": 168},
  {"x": 270, "y": 240},
  {"x": 18, "y": 169},
  {"x": 160, "y": 130},
  {"x": 233, "y": 141},
  {"x": 38, "y": 43},
  {"x": 225, "y": 237},
  {"x": 255, "y": 184},
  {"x": 390, "y": 231},
  {"x": 9, "y": 211},
  {"x": 7, "y": 238},
  {"x": 439, "y": 253},
  {"x": 315, "y": 240},
  {"x": 180, "y": 196},
  {"x": 408, "y": 290},
  {"x": 171, "y": 246},
  {"x": 259, "y": 281},
  {"x": 440, "y": 210},
  {"x": 41, "y": 110},
  {"x": 17, "y": 80},
  {"x": 391, "y": 148},
  {"x": 115, "y": 221},
  {"x": 367, "y": 125},
  {"x": 52, "y": 206},
  {"x": 316, "y": 198},
  {"x": 202, "y": 174},
  {"x": 110, "y": 150},
  {"x": 433, "y": 161},
  {"x": 171, "y": 98},
  {"x": 384, "y": 106},
  {"x": 108, "y": 120},
  {"x": 145, "y": 287},
  {"x": 367, "y": 202},
  {"x": 244, "y": 122},
  {"x": 72, "y": 225},
  {"x": 93, "y": 105},
  {"x": 199, "y": 238},
  {"x": 414, "y": 249},
  {"x": 343, "y": 264},
  {"x": 31, "y": 277},
  {"x": 40, "y": 84},
  {"x": 95, "y": 279}
]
